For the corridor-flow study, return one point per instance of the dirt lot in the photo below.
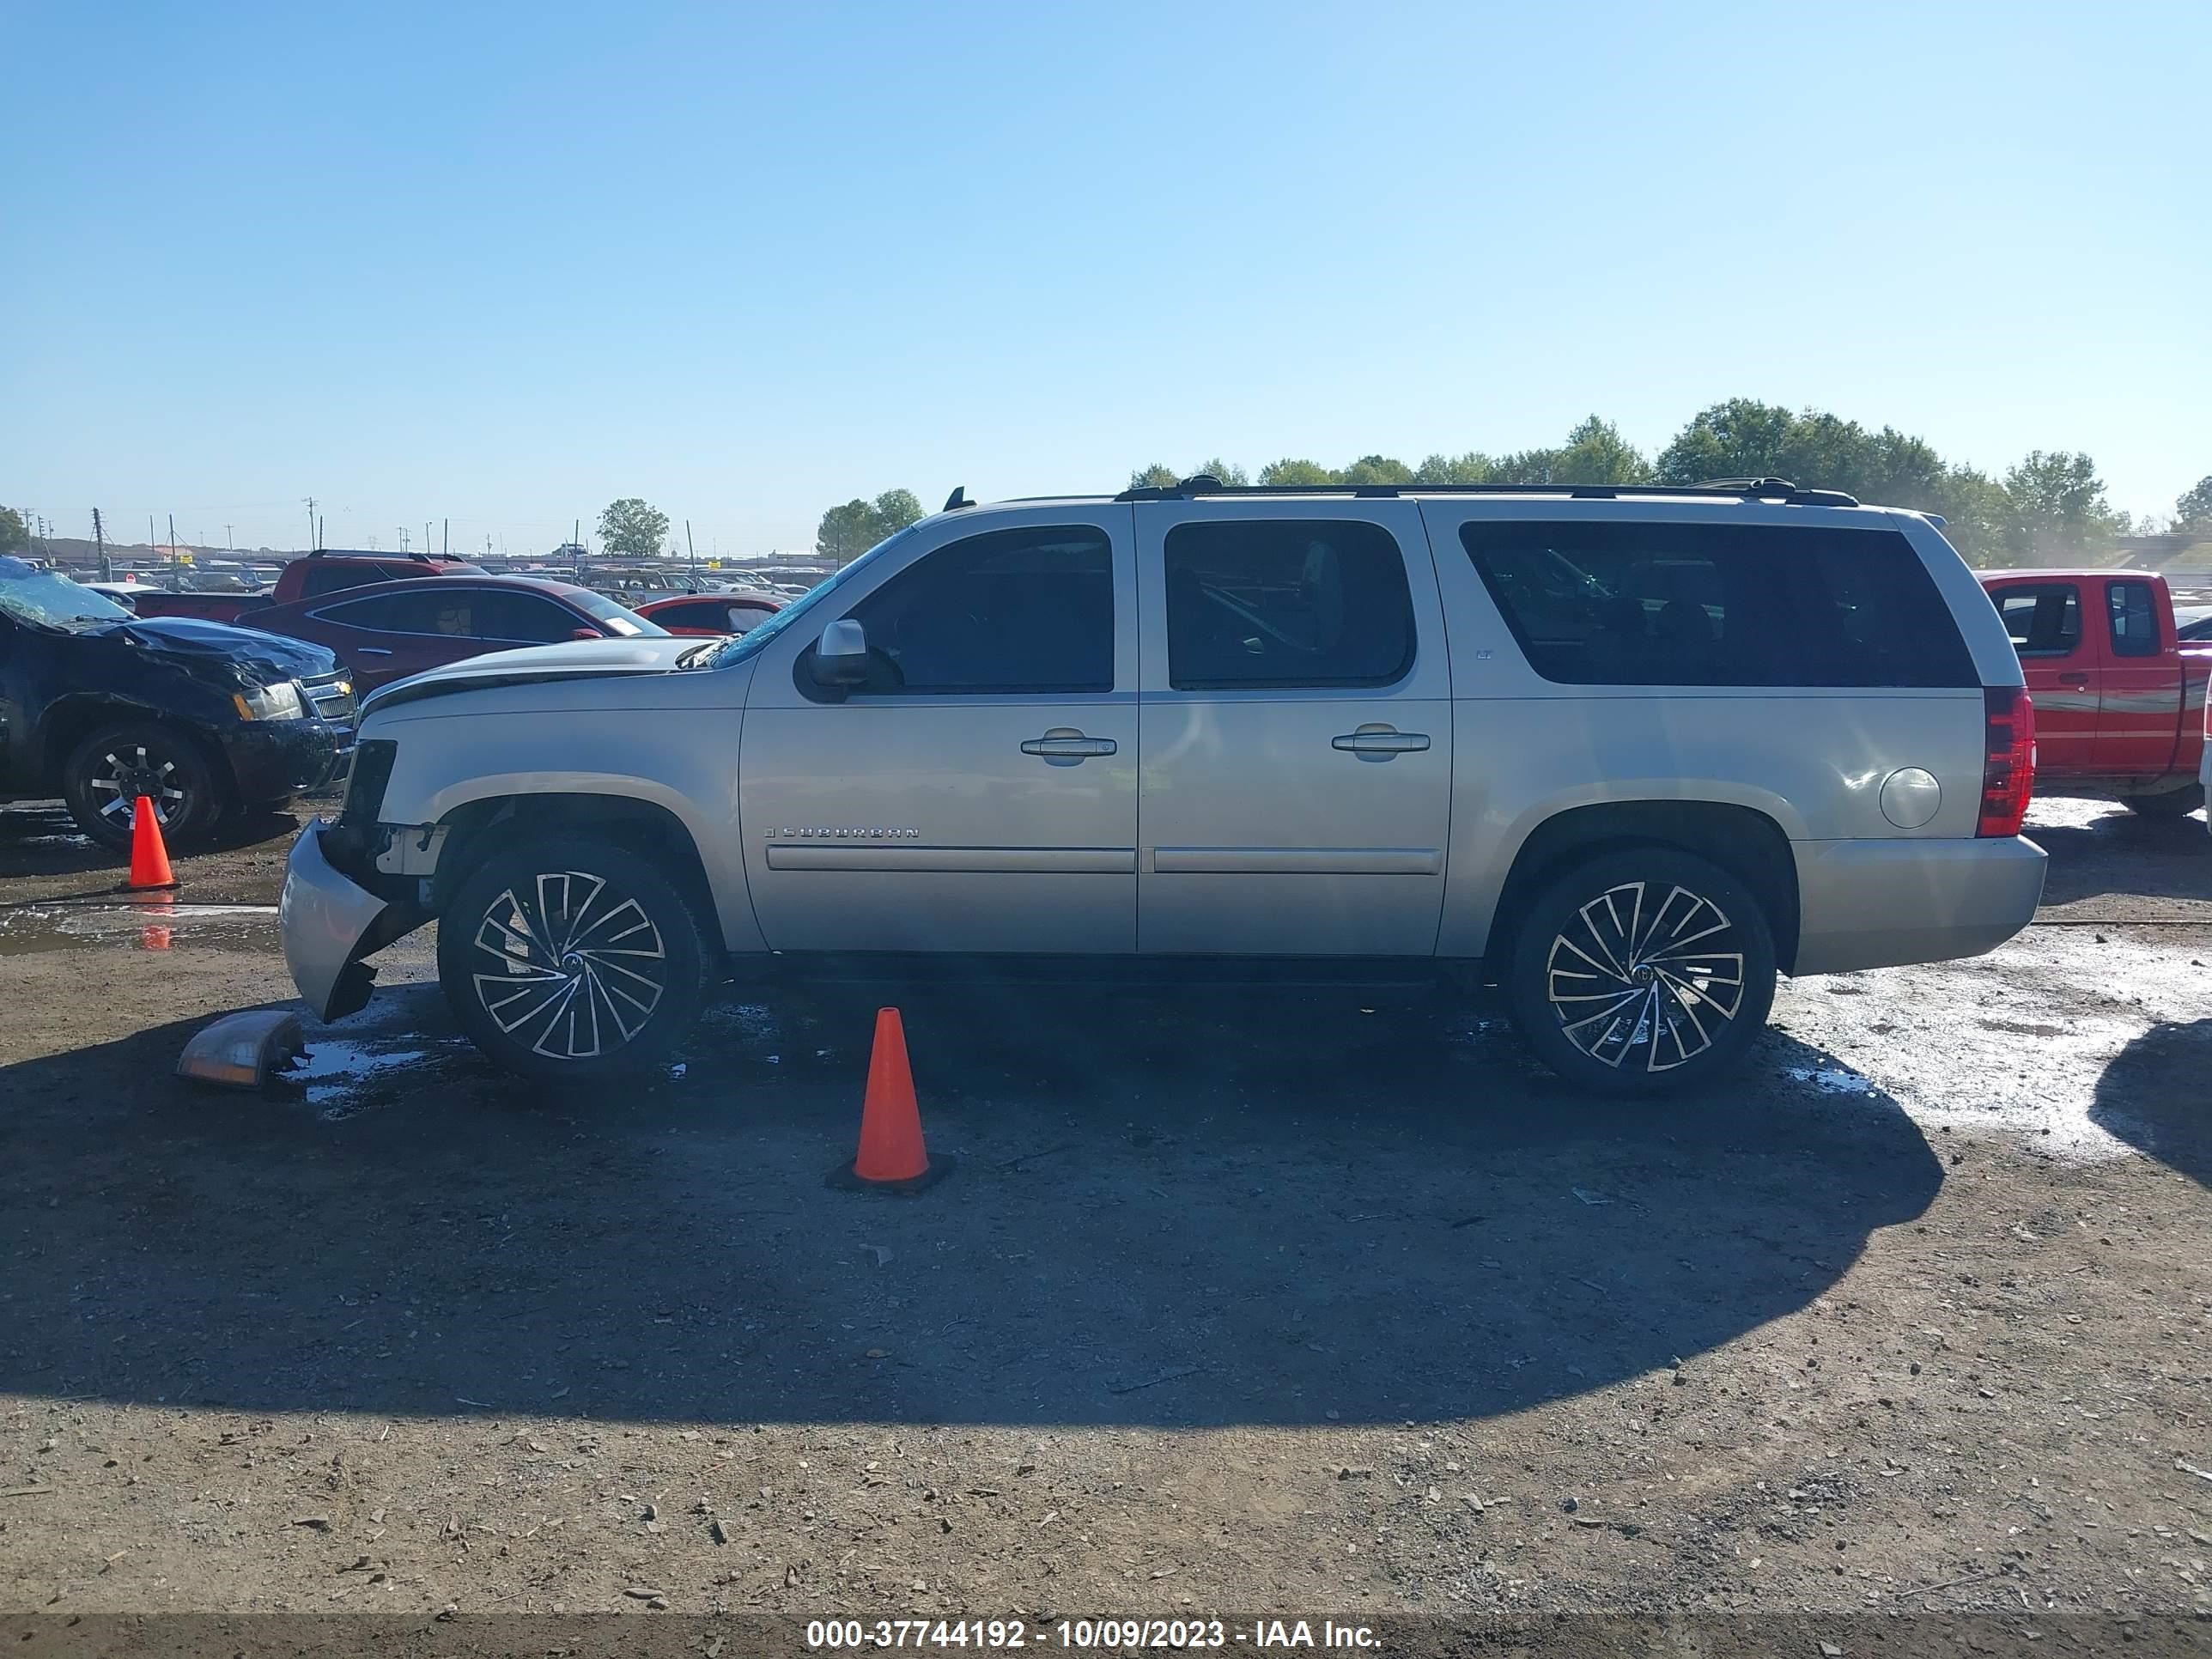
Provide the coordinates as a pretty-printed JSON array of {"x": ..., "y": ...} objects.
[{"x": 1247, "y": 1307}]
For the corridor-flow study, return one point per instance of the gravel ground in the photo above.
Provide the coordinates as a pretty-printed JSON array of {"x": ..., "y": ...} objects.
[{"x": 1231, "y": 1306}]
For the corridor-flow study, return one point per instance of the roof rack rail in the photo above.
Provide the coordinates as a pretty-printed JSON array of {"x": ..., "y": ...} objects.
[{"x": 1760, "y": 490}]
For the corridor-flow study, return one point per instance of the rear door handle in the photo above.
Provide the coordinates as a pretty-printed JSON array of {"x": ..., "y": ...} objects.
[
  {"x": 2079, "y": 682},
  {"x": 1066, "y": 746},
  {"x": 1380, "y": 742},
  {"x": 372, "y": 651}
]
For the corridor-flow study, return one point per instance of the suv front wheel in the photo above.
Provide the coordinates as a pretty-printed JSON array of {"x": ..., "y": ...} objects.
[
  {"x": 571, "y": 959},
  {"x": 1641, "y": 971}
]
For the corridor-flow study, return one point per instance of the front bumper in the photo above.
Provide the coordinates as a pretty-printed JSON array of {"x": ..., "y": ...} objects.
[
  {"x": 1886, "y": 904},
  {"x": 330, "y": 923},
  {"x": 276, "y": 760}
]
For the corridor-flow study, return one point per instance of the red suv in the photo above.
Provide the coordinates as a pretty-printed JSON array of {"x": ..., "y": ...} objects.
[{"x": 393, "y": 630}]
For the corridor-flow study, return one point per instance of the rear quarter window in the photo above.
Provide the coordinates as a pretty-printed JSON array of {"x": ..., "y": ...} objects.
[{"x": 1594, "y": 602}]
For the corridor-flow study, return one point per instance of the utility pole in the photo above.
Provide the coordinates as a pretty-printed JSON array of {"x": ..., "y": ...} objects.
[
  {"x": 445, "y": 539},
  {"x": 152, "y": 540},
  {"x": 694, "y": 552},
  {"x": 314, "y": 526},
  {"x": 229, "y": 544},
  {"x": 100, "y": 541},
  {"x": 176, "y": 571}
]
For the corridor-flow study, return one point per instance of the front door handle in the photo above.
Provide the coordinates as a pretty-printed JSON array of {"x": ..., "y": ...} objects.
[
  {"x": 372, "y": 651},
  {"x": 1378, "y": 742},
  {"x": 1066, "y": 746}
]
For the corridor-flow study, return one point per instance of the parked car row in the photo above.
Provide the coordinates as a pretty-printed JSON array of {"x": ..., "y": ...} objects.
[{"x": 212, "y": 703}]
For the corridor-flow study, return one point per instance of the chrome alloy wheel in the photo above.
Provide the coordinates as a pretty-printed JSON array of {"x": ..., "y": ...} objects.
[
  {"x": 130, "y": 770},
  {"x": 1631, "y": 976},
  {"x": 580, "y": 969}
]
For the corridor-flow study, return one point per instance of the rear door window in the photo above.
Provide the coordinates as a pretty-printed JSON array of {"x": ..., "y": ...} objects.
[
  {"x": 524, "y": 617},
  {"x": 417, "y": 612},
  {"x": 2133, "y": 609},
  {"x": 2043, "y": 619},
  {"x": 1611, "y": 602},
  {"x": 1255, "y": 603}
]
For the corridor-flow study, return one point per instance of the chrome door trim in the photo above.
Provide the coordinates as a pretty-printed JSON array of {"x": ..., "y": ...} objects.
[
  {"x": 1299, "y": 860},
  {"x": 956, "y": 861}
]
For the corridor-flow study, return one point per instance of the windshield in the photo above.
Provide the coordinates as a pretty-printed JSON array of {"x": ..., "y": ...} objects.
[
  {"x": 46, "y": 599},
  {"x": 754, "y": 640},
  {"x": 618, "y": 619}
]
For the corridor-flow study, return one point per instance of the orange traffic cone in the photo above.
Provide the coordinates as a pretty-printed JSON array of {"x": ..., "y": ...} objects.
[
  {"x": 150, "y": 859},
  {"x": 893, "y": 1157}
]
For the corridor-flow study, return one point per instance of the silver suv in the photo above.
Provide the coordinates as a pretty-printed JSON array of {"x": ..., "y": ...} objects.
[{"x": 1626, "y": 754}]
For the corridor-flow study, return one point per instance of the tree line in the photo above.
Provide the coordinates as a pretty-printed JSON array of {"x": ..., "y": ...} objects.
[{"x": 2049, "y": 507}]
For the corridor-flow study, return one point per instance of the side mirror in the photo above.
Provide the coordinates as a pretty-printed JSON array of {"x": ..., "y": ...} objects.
[{"x": 841, "y": 657}]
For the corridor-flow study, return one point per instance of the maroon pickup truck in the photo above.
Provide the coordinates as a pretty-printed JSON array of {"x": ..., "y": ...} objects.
[
  {"x": 2119, "y": 697},
  {"x": 308, "y": 578}
]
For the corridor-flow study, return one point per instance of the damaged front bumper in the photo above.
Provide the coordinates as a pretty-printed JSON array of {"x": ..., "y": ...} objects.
[{"x": 330, "y": 922}]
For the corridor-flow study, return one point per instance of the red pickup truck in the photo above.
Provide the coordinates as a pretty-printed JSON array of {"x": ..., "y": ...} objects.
[
  {"x": 2119, "y": 697},
  {"x": 318, "y": 572}
]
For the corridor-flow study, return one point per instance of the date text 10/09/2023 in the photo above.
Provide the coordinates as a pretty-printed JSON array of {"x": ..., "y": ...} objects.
[{"x": 1083, "y": 1635}]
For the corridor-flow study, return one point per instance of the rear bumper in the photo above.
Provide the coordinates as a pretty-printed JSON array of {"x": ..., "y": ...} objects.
[
  {"x": 1885, "y": 903},
  {"x": 329, "y": 924}
]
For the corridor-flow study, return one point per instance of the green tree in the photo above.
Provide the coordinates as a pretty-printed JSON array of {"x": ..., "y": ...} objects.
[
  {"x": 633, "y": 529},
  {"x": 2057, "y": 508},
  {"x": 2191, "y": 514},
  {"x": 1742, "y": 438},
  {"x": 1160, "y": 475},
  {"x": 851, "y": 530},
  {"x": 1473, "y": 468},
  {"x": 15, "y": 535},
  {"x": 1376, "y": 469},
  {"x": 1289, "y": 472},
  {"x": 1597, "y": 453}
]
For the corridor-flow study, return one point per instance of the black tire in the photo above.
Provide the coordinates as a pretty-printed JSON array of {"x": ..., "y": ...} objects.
[
  {"x": 106, "y": 772},
  {"x": 2174, "y": 804},
  {"x": 542, "y": 962},
  {"x": 1641, "y": 971}
]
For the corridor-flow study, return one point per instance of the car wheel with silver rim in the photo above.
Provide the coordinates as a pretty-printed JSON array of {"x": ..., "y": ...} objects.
[
  {"x": 571, "y": 959},
  {"x": 107, "y": 772},
  {"x": 1641, "y": 971}
]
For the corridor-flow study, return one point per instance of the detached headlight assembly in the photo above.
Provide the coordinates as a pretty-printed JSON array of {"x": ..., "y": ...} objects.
[{"x": 270, "y": 703}]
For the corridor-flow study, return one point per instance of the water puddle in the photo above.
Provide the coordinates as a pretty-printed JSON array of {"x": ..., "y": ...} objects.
[
  {"x": 144, "y": 925},
  {"x": 1831, "y": 1079},
  {"x": 334, "y": 1069}
]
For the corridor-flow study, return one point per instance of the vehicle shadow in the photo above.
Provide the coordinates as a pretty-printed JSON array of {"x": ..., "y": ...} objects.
[
  {"x": 2152, "y": 1095},
  {"x": 1160, "y": 1215},
  {"x": 2118, "y": 851},
  {"x": 39, "y": 838}
]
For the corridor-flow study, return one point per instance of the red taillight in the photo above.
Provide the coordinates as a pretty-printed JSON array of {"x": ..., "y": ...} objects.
[{"x": 2008, "y": 759}]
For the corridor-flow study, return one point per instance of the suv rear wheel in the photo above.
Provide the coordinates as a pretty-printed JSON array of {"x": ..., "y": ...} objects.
[
  {"x": 571, "y": 959},
  {"x": 106, "y": 774},
  {"x": 1641, "y": 971}
]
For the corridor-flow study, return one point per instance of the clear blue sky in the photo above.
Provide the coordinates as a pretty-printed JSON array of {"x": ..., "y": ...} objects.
[{"x": 505, "y": 264}]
